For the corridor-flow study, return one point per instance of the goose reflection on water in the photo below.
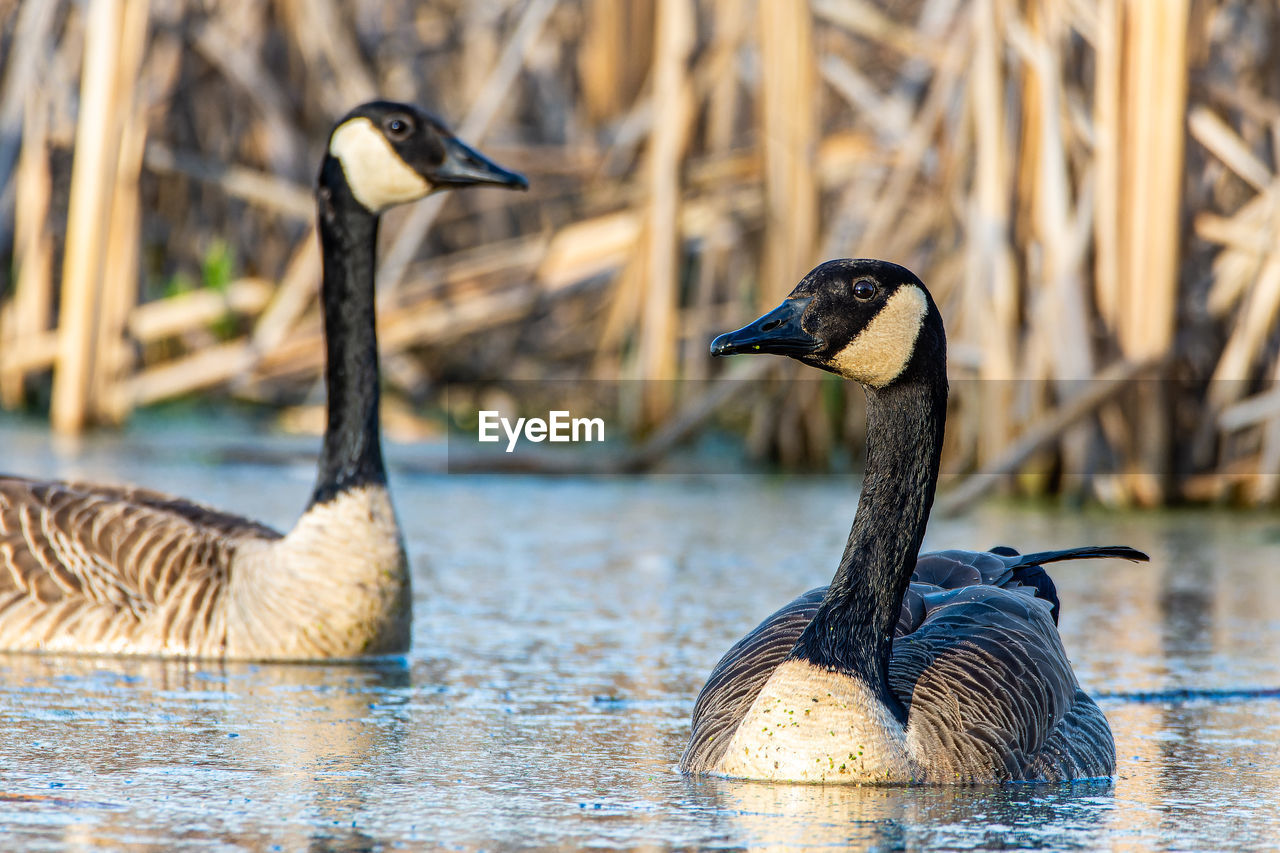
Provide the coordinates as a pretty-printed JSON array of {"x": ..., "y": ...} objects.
[
  {"x": 797, "y": 816},
  {"x": 212, "y": 736}
]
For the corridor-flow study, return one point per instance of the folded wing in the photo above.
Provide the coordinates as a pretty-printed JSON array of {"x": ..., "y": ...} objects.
[{"x": 105, "y": 559}]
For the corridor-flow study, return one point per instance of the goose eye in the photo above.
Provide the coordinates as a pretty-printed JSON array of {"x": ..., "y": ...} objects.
[
  {"x": 863, "y": 289},
  {"x": 398, "y": 127}
]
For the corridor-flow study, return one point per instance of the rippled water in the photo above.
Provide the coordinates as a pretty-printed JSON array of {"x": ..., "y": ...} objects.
[{"x": 562, "y": 630}]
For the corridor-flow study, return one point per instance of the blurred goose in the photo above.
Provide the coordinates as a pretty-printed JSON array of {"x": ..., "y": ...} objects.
[
  {"x": 115, "y": 570},
  {"x": 955, "y": 674}
]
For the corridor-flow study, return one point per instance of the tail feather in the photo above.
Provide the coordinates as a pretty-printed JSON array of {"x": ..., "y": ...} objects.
[
  {"x": 1094, "y": 552},
  {"x": 1027, "y": 569}
]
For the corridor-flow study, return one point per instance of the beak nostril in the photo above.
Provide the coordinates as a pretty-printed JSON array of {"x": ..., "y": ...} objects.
[{"x": 771, "y": 325}]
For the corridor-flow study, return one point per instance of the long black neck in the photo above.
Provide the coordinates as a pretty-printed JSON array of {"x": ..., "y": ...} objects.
[
  {"x": 852, "y": 631},
  {"x": 352, "y": 454}
]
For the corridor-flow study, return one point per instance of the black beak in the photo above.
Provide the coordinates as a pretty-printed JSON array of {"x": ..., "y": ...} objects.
[
  {"x": 463, "y": 165},
  {"x": 779, "y": 332}
]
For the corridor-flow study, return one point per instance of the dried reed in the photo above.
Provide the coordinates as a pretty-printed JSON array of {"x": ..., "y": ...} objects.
[{"x": 1090, "y": 189}]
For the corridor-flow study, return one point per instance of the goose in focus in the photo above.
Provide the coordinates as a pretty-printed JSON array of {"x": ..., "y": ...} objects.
[
  {"x": 115, "y": 570},
  {"x": 942, "y": 668}
]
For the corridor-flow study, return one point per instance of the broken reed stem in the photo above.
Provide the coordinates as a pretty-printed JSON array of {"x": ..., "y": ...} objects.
[
  {"x": 259, "y": 188},
  {"x": 198, "y": 309},
  {"x": 1109, "y": 382},
  {"x": 943, "y": 149}
]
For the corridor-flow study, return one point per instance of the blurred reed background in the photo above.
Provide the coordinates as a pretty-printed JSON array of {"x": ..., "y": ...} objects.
[{"x": 1088, "y": 187}]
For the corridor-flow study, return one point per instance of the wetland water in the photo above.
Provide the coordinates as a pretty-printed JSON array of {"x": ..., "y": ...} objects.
[{"x": 563, "y": 628}]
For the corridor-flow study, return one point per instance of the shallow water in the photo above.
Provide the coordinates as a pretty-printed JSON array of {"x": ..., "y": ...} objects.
[{"x": 562, "y": 630}]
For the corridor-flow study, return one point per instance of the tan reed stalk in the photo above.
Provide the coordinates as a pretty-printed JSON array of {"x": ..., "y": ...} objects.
[
  {"x": 1061, "y": 314},
  {"x": 197, "y": 309},
  {"x": 1264, "y": 488},
  {"x": 722, "y": 110},
  {"x": 1030, "y": 126},
  {"x": 990, "y": 285},
  {"x": 1248, "y": 272},
  {"x": 615, "y": 55},
  {"x": 207, "y": 367},
  {"x": 1255, "y": 321},
  {"x": 1155, "y": 56},
  {"x": 119, "y": 281},
  {"x": 788, "y": 139},
  {"x": 232, "y": 42},
  {"x": 657, "y": 354},
  {"x": 788, "y": 119},
  {"x": 325, "y": 40},
  {"x": 295, "y": 294},
  {"x": 885, "y": 211},
  {"x": 92, "y": 174},
  {"x": 29, "y": 54},
  {"x": 261, "y": 189},
  {"x": 1155, "y": 37},
  {"x": 1043, "y": 433},
  {"x": 1107, "y": 129},
  {"x": 31, "y": 309},
  {"x": 731, "y": 21}
]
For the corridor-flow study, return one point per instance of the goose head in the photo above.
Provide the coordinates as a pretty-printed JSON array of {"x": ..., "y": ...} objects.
[
  {"x": 387, "y": 153},
  {"x": 866, "y": 320}
]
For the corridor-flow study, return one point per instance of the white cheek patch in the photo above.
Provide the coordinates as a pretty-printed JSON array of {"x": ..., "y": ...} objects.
[
  {"x": 880, "y": 352},
  {"x": 377, "y": 176}
]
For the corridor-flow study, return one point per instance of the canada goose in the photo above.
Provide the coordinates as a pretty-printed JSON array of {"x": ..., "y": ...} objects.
[
  {"x": 955, "y": 675},
  {"x": 113, "y": 570}
]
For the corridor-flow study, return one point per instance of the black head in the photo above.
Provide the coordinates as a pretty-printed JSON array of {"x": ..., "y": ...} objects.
[
  {"x": 867, "y": 320},
  {"x": 392, "y": 153}
]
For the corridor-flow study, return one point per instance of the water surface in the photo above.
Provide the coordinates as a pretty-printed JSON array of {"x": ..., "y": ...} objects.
[{"x": 562, "y": 630}]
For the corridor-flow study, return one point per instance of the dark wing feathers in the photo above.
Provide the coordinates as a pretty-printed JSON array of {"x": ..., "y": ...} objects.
[
  {"x": 986, "y": 680},
  {"x": 953, "y": 569},
  {"x": 106, "y": 545},
  {"x": 1037, "y": 579},
  {"x": 942, "y": 570},
  {"x": 740, "y": 676},
  {"x": 977, "y": 660},
  {"x": 1079, "y": 747}
]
